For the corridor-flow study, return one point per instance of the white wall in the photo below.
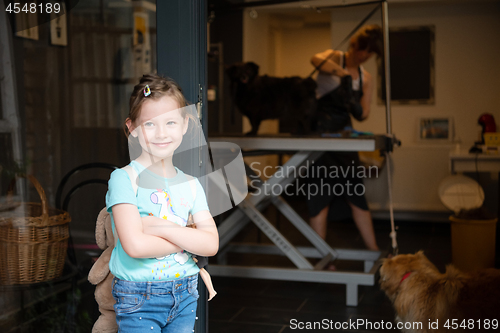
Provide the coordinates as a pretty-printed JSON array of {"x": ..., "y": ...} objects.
[{"x": 466, "y": 83}]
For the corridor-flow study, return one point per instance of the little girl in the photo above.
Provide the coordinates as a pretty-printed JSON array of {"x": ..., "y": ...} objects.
[{"x": 155, "y": 285}]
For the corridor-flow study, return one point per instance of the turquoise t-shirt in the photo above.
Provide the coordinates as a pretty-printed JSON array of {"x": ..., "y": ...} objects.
[{"x": 170, "y": 198}]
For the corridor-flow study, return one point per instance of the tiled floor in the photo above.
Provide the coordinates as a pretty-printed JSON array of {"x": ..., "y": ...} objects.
[{"x": 251, "y": 305}]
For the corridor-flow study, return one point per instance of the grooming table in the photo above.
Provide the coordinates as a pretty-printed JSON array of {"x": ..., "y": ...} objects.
[{"x": 304, "y": 149}]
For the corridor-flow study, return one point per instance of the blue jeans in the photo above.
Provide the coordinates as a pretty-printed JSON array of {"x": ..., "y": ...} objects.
[{"x": 166, "y": 306}]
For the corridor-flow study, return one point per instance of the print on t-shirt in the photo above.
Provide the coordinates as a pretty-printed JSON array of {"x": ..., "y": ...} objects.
[{"x": 162, "y": 197}]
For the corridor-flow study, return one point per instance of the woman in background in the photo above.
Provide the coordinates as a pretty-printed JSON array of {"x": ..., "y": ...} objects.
[{"x": 344, "y": 89}]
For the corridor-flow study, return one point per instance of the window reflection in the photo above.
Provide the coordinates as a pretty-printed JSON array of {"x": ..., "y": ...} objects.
[{"x": 62, "y": 106}]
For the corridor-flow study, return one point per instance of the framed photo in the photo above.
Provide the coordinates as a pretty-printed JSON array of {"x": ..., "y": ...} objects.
[{"x": 435, "y": 129}]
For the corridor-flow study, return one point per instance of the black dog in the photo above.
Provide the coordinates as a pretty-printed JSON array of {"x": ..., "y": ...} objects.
[{"x": 265, "y": 97}]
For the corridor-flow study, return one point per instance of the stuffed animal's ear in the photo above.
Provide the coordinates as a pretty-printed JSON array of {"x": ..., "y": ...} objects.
[
  {"x": 100, "y": 229},
  {"x": 109, "y": 232}
]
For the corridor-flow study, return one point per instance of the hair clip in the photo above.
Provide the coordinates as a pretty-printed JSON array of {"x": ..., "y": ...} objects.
[{"x": 147, "y": 91}]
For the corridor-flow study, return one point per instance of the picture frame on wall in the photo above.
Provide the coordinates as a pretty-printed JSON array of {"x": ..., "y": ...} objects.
[{"x": 435, "y": 129}]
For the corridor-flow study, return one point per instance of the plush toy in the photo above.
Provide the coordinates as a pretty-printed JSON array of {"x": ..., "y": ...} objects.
[{"x": 101, "y": 277}]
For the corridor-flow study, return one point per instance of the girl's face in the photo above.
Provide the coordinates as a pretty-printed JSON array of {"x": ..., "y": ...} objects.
[{"x": 160, "y": 127}]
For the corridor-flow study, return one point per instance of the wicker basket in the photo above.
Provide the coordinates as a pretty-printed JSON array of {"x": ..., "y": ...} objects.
[{"x": 33, "y": 241}]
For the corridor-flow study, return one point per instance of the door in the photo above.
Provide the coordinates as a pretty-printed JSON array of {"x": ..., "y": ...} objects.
[{"x": 182, "y": 55}]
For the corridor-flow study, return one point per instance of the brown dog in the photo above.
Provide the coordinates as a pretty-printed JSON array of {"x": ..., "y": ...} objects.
[{"x": 449, "y": 302}]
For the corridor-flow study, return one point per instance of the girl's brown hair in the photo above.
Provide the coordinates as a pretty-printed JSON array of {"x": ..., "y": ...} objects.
[
  {"x": 368, "y": 38},
  {"x": 159, "y": 86}
]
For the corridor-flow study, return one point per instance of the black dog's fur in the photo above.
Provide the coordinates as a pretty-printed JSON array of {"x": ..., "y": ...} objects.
[{"x": 265, "y": 97}]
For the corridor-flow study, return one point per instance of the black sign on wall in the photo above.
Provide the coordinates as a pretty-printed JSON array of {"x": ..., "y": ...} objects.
[{"x": 412, "y": 54}]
